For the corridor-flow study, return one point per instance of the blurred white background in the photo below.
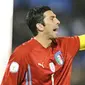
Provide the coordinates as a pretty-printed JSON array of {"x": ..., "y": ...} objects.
[{"x": 6, "y": 17}]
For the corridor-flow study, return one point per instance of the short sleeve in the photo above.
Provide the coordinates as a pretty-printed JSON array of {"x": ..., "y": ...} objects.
[{"x": 15, "y": 70}]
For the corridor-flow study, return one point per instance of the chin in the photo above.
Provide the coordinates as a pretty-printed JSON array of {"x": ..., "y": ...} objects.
[{"x": 55, "y": 36}]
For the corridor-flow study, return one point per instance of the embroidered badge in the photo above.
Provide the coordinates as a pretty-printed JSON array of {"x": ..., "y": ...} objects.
[
  {"x": 58, "y": 58},
  {"x": 14, "y": 67},
  {"x": 52, "y": 66}
]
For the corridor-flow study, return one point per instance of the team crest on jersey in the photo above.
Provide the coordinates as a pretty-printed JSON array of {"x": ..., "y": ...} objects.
[{"x": 58, "y": 57}]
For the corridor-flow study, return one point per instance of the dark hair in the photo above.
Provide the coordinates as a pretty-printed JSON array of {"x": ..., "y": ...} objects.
[{"x": 34, "y": 16}]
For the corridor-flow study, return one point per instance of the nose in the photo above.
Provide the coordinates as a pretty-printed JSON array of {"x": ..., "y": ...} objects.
[{"x": 57, "y": 22}]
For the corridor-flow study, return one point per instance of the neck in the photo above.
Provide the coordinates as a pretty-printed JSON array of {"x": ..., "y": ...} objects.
[{"x": 45, "y": 42}]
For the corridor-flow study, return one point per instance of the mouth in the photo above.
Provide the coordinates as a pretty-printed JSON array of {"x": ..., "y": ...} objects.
[{"x": 55, "y": 29}]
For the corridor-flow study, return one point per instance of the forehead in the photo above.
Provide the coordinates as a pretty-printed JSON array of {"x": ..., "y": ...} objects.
[{"x": 49, "y": 13}]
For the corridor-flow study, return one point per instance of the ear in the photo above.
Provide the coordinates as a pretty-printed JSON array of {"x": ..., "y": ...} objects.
[{"x": 40, "y": 27}]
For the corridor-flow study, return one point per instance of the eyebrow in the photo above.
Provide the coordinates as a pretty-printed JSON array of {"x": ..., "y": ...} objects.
[{"x": 53, "y": 16}]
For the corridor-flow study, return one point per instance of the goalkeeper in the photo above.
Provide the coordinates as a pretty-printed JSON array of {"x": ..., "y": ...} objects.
[{"x": 45, "y": 59}]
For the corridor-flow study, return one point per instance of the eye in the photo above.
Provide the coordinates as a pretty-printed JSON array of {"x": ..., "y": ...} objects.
[{"x": 51, "y": 18}]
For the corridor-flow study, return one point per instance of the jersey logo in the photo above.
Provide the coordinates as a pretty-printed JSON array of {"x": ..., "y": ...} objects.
[
  {"x": 41, "y": 65},
  {"x": 14, "y": 67},
  {"x": 58, "y": 57}
]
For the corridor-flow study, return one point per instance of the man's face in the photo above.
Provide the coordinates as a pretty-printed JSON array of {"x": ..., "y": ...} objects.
[{"x": 51, "y": 24}]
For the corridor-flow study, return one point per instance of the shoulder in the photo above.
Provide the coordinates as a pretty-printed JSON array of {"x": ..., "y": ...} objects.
[
  {"x": 24, "y": 47},
  {"x": 23, "y": 50},
  {"x": 67, "y": 39}
]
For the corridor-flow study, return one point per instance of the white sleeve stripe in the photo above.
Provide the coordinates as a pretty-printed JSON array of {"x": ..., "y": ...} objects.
[
  {"x": 28, "y": 76},
  {"x": 29, "y": 73}
]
